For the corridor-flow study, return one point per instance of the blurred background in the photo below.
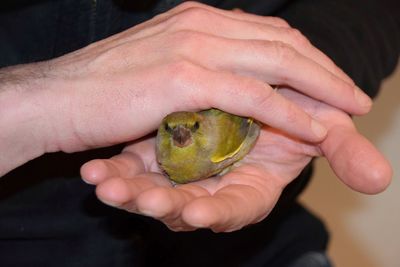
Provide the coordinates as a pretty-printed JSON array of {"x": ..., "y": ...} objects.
[{"x": 365, "y": 230}]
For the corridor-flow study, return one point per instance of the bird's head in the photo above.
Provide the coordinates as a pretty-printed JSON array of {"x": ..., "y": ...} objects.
[{"x": 182, "y": 127}]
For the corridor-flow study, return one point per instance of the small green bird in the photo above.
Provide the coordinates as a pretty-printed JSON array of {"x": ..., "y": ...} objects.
[{"x": 196, "y": 145}]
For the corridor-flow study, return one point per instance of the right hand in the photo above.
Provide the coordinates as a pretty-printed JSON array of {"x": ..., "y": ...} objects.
[
  {"x": 192, "y": 57},
  {"x": 133, "y": 181}
]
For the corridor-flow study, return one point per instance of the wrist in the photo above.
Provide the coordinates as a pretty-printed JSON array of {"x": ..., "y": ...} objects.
[
  {"x": 35, "y": 115},
  {"x": 23, "y": 123}
]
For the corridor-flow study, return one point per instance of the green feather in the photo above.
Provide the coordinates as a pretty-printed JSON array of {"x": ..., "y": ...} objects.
[{"x": 192, "y": 146}]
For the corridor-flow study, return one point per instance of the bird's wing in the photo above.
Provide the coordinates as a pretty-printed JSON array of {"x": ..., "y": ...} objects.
[{"x": 232, "y": 133}]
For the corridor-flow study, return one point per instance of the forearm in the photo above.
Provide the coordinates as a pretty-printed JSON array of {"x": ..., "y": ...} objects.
[
  {"x": 38, "y": 113},
  {"x": 23, "y": 122}
]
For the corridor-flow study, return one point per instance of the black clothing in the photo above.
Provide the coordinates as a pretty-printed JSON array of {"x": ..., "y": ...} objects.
[{"x": 48, "y": 216}]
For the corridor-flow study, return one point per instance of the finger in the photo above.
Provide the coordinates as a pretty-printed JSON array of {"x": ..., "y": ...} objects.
[
  {"x": 246, "y": 196},
  {"x": 274, "y": 63},
  {"x": 143, "y": 149},
  {"x": 235, "y": 25},
  {"x": 122, "y": 193},
  {"x": 122, "y": 165},
  {"x": 230, "y": 209},
  {"x": 356, "y": 161},
  {"x": 238, "y": 25},
  {"x": 242, "y": 96},
  {"x": 166, "y": 204},
  {"x": 230, "y": 24}
]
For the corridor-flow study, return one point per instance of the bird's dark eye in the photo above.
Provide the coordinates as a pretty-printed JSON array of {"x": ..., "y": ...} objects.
[
  {"x": 196, "y": 125},
  {"x": 167, "y": 128}
]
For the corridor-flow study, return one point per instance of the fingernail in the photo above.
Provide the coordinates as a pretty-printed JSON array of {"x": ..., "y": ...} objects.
[
  {"x": 199, "y": 225},
  {"x": 87, "y": 182},
  {"x": 362, "y": 98},
  {"x": 149, "y": 213},
  {"x": 319, "y": 130},
  {"x": 110, "y": 203}
]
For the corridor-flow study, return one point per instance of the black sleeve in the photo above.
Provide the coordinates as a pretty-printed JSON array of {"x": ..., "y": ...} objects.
[{"x": 361, "y": 36}]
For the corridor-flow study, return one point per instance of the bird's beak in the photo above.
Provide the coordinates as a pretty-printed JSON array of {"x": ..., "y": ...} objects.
[{"x": 181, "y": 136}]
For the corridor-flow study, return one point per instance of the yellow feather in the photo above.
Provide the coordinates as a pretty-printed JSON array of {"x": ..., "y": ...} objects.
[{"x": 217, "y": 158}]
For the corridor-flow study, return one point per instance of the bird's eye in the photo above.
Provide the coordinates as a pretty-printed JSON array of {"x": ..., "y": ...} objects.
[
  {"x": 196, "y": 125},
  {"x": 167, "y": 128}
]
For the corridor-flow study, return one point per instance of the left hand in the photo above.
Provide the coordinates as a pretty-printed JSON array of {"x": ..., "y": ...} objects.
[{"x": 133, "y": 181}]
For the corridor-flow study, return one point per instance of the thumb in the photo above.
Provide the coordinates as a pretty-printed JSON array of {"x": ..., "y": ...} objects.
[{"x": 356, "y": 161}]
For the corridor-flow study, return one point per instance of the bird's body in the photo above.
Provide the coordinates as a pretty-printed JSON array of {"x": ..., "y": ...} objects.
[{"x": 196, "y": 145}]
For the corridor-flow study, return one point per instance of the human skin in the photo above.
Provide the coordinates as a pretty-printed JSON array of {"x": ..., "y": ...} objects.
[
  {"x": 134, "y": 182},
  {"x": 192, "y": 57}
]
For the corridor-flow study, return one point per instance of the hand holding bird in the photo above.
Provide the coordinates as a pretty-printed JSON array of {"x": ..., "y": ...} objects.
[{"x": 134, "y": 181}]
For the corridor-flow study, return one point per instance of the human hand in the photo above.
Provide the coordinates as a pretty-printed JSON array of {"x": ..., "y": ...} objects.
[
  {"x": 134, "y": 182},
  {"x": 192, "y": 57}
]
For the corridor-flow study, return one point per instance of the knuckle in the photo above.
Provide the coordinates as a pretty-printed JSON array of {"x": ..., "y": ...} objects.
[
  {"x": 283, "y": 53},
  {"x": 192, "y": 14},
  {"x": 291, "y": 115},
  {"x": 260, "y": 47},
  {"x": 189, "y": 18},
  {"x": 186, "y": 41},
  {"x": 187, "y": 4},
  {"x": 279, "y": 22},
  {"x": 184, "y": 79},
  {"x": 181, "y": 73},
  {"x": 264, "y": 99},
  {"x": 297, "y": 37}
]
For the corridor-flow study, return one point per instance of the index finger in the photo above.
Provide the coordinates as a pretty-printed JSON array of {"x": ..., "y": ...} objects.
[{"x": 243, "y": 96}]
